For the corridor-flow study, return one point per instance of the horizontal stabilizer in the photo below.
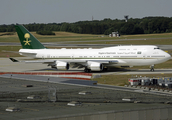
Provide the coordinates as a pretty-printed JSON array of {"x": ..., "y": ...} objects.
[
  {"x": 10, "y": 51},
  {"x": 14, "y": 60}
]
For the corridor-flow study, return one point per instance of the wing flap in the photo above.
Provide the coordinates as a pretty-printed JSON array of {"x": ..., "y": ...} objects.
[
  {"x": 27, "y": 53},
  {"x": 75, "y": 63},
  {"x": 105, "y": 61}
]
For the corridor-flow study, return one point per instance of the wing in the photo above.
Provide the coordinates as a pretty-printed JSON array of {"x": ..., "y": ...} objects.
[
  {"x": 10, "y": 51},
  {"x": 22, "y": 53},
  {"x": 27, "y": 54},
  {"x": 74, "y": 63},
  {"x": 81, "y": 64}
]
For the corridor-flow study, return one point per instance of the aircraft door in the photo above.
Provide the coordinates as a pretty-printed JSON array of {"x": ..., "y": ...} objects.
[
  {"x": 48, "y": 56},
  {"x": 144, "y": 56},
  {"x": 72, "y": 57}
]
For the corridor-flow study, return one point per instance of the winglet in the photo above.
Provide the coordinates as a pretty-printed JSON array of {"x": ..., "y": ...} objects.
[{"x": 14, "y": 60}]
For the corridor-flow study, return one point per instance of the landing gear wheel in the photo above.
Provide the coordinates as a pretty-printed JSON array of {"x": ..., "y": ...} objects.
[
  {"x": 105, "y": 69},
  {"x": 87, "y": 70}
]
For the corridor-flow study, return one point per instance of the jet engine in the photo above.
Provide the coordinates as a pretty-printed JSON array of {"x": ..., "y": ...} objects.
[
  {"x": 94, "y": 66},
  {"x": 62, "y": 65}
]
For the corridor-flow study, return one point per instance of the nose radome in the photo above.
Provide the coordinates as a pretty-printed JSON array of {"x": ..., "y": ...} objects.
[{"x": 168, "y": 56}]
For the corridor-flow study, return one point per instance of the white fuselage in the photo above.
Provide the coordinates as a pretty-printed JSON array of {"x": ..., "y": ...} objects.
[{"x": 125, "y": 55}]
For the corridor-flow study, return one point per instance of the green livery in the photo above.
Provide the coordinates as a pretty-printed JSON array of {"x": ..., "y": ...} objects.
[{"x": 27, "y": 40}]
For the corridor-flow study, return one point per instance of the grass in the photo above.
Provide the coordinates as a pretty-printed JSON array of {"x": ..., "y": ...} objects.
[
  {"x": 59, "y": 37},
  {"x": 132, "y": 42},
  {"x": 121, "y": 80},
  {"x": 158, "y": 35},
  {"x": 13, "y": 51},
  {"x": 165, "y": 38},
  {"x": 165, "y": 65}
]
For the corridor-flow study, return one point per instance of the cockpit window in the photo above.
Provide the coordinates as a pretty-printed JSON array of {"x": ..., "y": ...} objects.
[{"x": 156, "y": 48}]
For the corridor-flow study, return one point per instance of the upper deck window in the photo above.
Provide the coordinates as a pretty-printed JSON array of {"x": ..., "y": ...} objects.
[{"x": 122, "y": 49}]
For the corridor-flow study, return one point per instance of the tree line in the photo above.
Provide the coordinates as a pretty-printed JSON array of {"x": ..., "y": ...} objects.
[{"x": 146, "y": 25}]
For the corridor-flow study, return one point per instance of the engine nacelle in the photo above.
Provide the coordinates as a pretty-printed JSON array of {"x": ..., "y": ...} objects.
[
  {"x": 94, "y": 66},
  {"x": 62, "y": 65}
]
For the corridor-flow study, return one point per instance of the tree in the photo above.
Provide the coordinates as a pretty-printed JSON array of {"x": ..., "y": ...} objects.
[
  {"x": 145, "y": 25},
  {"x": 45, "y": 32},
  {"x": 137, "y": 30},
  {"x": 127, "y": 28},
  {"x": 64, "y": 27}
]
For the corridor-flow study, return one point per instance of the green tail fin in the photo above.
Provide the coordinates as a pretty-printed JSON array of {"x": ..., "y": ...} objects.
[{"x": 27, "y": 40}]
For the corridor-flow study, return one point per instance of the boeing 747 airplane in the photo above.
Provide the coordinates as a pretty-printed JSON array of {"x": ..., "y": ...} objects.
[{"x": 90, "y": 59}]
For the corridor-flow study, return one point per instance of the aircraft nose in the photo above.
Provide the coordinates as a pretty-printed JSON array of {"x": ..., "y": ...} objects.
[{"x": 168, "y": 56}]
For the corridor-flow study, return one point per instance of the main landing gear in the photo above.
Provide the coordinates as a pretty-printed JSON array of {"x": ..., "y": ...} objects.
[
  {"x": 152, "y": 68},
  {"x": 87, "y": 70}
]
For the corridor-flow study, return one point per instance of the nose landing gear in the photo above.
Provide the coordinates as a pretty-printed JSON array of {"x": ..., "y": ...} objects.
[{"x": 152, "y": 68}]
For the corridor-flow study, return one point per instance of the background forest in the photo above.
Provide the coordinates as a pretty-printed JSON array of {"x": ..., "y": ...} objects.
[{"x": 145, "y": 25}]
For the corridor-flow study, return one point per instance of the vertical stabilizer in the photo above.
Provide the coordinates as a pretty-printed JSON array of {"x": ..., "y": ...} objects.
[{"x": 27, "y": 40}]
